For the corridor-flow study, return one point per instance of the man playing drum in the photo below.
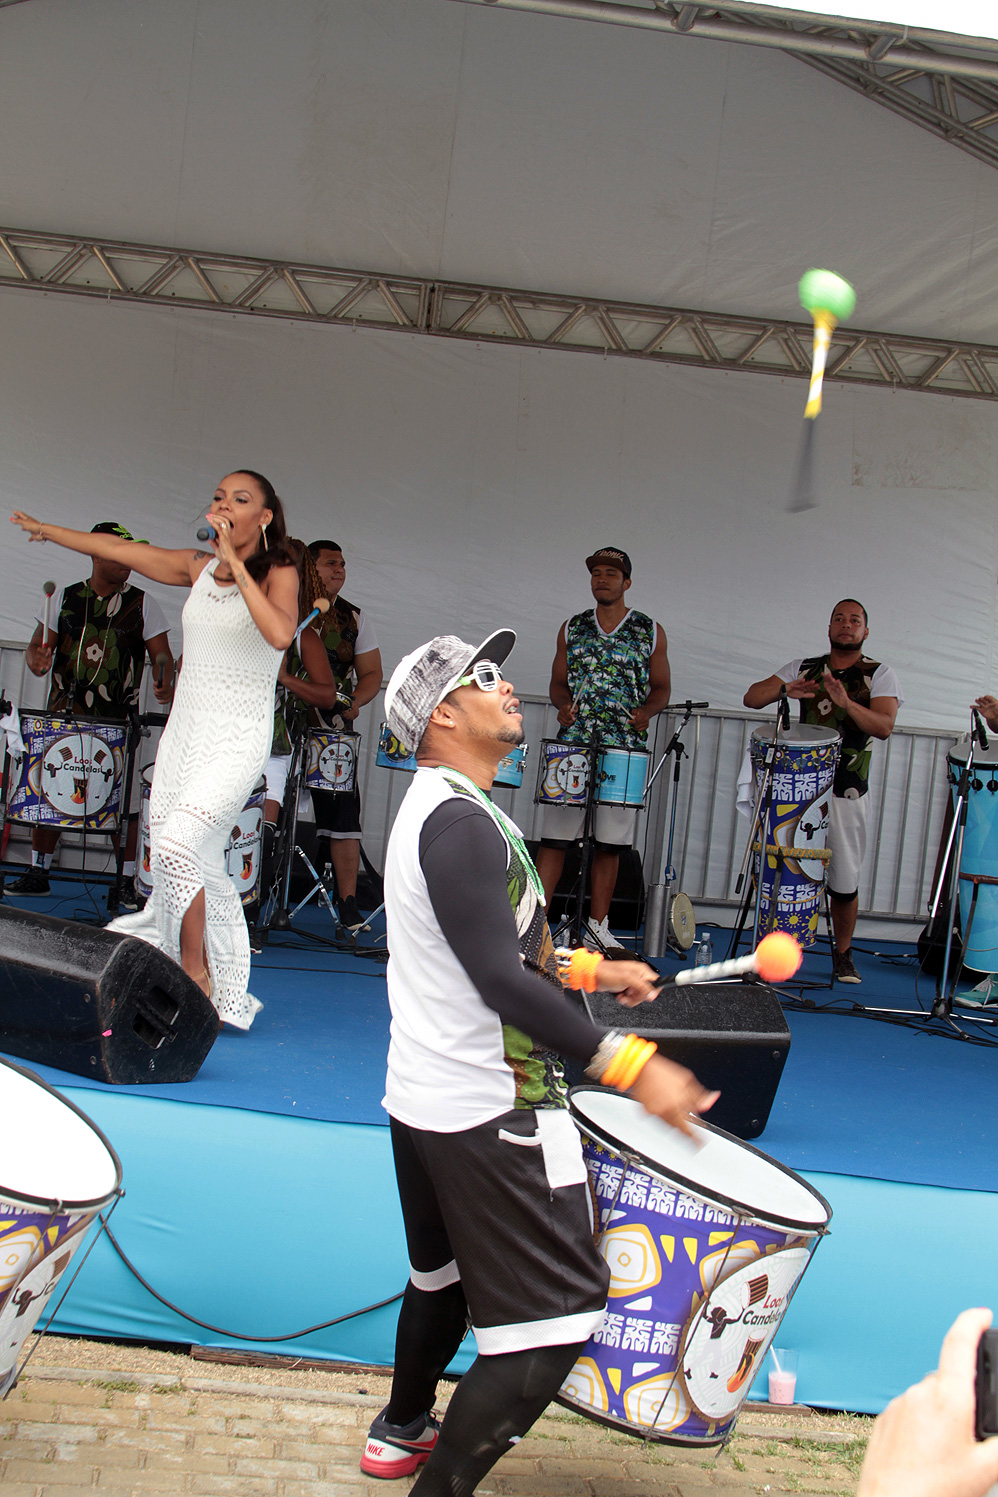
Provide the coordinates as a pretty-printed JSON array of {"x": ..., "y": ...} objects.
[
  {"x": 846, "y": 690},
  {"x": 353, "y": 652},
  {"x": 488, "y": 1162},
  {"x": 102, "y": 631},
  {"x": 609, "y": 679}
]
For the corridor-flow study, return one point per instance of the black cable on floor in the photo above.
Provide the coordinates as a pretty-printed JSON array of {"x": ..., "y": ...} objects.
[{"x": 236, "y": 1335}]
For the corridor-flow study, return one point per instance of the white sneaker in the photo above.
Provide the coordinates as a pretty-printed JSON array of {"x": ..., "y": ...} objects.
[{"x": 597, "y": 934}]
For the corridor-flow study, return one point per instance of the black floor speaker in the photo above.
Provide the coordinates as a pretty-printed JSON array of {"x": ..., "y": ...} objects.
[
  {"x": 732, "y": 1035},
  {"x": 98, "y": 1004}
]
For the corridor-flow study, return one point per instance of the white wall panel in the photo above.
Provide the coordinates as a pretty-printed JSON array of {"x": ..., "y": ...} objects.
[{"x": 467, "y": 485}]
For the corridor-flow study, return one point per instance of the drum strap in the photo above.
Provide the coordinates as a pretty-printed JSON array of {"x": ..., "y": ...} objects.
[{"x": 510, "y": 831}]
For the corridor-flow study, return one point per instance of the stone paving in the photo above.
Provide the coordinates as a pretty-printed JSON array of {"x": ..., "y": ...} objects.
[{"x": 68, "y": 1430}]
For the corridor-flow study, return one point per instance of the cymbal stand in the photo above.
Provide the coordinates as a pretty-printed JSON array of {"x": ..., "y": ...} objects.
[{"x": 659, "y": 899}]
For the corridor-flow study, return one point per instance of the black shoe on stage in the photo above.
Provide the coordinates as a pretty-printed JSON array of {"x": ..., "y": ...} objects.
[
  {"x": 845, "y": 970},
  {"x": 34, "y": 882},
  {"x": 129, "y": 897},
  {"x": 350, "y": 917}
]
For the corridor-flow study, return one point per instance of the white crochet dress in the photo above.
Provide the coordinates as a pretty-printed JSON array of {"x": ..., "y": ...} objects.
[{"x": 210, "y": 758}]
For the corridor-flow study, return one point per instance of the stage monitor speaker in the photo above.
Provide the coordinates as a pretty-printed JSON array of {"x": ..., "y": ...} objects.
[
  {"x": 733, "y": 1036},
  {"x": 98, "y": 1004}
]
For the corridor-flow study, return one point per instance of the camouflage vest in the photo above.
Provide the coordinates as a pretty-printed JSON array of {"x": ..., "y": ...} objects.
[
  {"x": 852, "y": 775},
  {"x": 612, "y": 673},
  {"x": 540, "y": 1081},
  {"x": 100, "y": 649},
  {"x": 339, "y": 635}
]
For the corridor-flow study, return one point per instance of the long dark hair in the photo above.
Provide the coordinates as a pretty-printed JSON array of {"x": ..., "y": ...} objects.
[{"x": 277, "y": 553}]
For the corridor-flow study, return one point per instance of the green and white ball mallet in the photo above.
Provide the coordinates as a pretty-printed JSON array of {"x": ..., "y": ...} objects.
[{"x": 830, "y": 300}]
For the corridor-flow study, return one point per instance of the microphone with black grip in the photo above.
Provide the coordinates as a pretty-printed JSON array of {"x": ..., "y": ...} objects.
[{"x": 979, "y": 733}]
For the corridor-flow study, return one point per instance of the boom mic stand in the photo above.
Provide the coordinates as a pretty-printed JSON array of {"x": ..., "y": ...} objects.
[{"x": 659, "y": 900}]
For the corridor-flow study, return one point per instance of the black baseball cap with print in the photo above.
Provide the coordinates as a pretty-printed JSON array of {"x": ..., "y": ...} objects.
[
  {"x": 610, "y": 556},
  {"x": 112, "y": 527}
]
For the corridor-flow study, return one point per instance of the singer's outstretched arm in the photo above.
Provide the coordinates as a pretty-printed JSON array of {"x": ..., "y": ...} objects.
[{"x": 177, "y": 568}]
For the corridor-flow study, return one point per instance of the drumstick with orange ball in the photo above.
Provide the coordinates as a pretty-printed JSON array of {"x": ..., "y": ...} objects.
[{"x": 776, "y": 958}]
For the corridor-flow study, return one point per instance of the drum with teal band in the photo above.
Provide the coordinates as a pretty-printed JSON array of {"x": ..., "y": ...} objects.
[
  {"x": 394, "y": 755},
  {"x": 979, "y": 854}
]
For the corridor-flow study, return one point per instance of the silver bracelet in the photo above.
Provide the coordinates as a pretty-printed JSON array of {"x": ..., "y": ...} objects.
[{"x": 605, "y": 1051}]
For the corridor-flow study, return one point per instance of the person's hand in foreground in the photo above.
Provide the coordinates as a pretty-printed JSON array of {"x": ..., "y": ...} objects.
[{"x": 923, "y": 1444}]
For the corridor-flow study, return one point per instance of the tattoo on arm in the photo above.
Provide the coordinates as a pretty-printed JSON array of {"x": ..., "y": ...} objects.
[
  {"x": 202, "y": 556},
  {"x": 241, "y": 577}
]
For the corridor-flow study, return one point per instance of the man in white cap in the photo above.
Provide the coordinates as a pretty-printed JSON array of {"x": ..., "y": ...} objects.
[{"x": 488, "y": 1161}]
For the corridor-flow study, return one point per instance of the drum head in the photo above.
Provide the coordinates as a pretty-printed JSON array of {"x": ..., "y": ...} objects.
[
  {"x": 724, "y": 1169},
  {"x": 982, "y": 759},
  {"x": 52, "y": 1151},
  {"x": 804, "y": 735},
  {"x": 682, "y": 921}
]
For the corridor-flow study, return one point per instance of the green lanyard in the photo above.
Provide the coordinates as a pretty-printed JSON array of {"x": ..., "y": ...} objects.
[{"x": 508, "y": 829}]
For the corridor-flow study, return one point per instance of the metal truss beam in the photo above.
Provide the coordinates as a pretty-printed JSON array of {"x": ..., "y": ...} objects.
[
  {"x": 943, "y": 82},
  {"x": 236, "y": 284}
]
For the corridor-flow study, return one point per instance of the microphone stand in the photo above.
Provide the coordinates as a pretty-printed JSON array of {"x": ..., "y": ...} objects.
[
  {"x": 942, "y": 1008},
  {"x": 659, "y": 898}
]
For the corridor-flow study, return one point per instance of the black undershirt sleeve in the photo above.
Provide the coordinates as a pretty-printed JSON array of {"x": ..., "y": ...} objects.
[{"x": 463, "y": 857}]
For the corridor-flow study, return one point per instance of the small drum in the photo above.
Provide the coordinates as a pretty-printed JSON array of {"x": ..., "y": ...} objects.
[
  {"x": 980, "y": 853},
  {"x": 510, "y": 770},
  {"x": 705, "y": 1251},
  {"x": 391, "y": 755},
  {"x": 71, "y": 775},
  {"x": 803, "y": 770},
  {"x": 562, "y": 774},
  {"x": 242, "y": 853},
  {"x": 58, "y": 1171},
  {"x": 331, "y": 760},
  {"x": 622, "y": 777}
]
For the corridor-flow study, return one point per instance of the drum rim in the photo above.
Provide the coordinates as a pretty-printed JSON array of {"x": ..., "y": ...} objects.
[
  {"x": 647, "y": 1431},
  {"x": 47, "y": 1201},
  {"x": 741, "y": 1208}
]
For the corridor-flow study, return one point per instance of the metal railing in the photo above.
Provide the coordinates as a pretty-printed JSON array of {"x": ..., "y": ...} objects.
[{"x": 908, "y": 795}]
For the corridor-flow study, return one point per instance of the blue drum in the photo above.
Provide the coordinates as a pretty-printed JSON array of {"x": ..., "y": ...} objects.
[
  {"x": 331, "y": 760},
  {"x": 705, "y": 1250},
  {"x": 393, "y": 755},
  {"x": 623, "y": 775},
  {"x": 803, "y": 771},
  {"x": 72, "y": 774},
  {"x": 980, "y": 855}
]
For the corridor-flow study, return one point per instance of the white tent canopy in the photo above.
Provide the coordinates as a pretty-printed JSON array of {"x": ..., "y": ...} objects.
[
  {"x": 969, "y": 18},
  {"x": 466, "y": 484}
]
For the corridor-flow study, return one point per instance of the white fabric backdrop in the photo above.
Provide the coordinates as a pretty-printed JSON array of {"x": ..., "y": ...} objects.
[
  {"x": 975, "y": 18},
  {"x": 467, "y": 484},
  {"x": 426, "y": 137}
]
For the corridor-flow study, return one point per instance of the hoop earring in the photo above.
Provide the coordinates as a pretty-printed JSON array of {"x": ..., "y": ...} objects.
[{"x": 263, "y": 537}]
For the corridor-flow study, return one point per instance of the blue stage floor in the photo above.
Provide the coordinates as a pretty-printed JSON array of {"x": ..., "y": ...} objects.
[{"x": 260, "y": 1197}]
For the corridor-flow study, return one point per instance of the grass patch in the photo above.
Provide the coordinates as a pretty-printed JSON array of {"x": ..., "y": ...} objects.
[
  {"x": 168, "y": 1388},
  {"x": 117, "y": 1385}
]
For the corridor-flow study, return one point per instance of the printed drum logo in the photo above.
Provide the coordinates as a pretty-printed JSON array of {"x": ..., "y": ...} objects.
[
  {"x": 729, "y": 1334},
  {"x": 242, "y": 855},
  {"x": 336, "y": 763},
  {"x": 77, "y": 775}
]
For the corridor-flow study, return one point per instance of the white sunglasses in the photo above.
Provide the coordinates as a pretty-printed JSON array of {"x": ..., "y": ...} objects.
[{"x": 485, "y": 674}]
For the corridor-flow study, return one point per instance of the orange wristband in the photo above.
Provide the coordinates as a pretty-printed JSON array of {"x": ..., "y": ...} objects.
[
  {"x": 625, "y": 1081},
  {"x": 579, "y": 972},
  {"x": 620, "y": 1062}
]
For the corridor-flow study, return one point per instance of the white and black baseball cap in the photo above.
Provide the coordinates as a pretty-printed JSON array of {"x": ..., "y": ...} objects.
[{"x": 423, "y": 678}]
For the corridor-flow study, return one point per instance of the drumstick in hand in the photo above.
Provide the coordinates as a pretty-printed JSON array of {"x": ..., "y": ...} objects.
[{"x": 776, "y": 958}]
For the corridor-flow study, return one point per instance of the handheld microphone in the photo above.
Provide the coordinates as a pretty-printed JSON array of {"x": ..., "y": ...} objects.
[
  {"x": 207, "y": 533},
  {"x": 979, "y": 733},
  {"x": 162, "y": 661},
  {"x": 321, "y": 606},
  {"x": 48, "y": 588},
  {"x": 784, "y": 710}
]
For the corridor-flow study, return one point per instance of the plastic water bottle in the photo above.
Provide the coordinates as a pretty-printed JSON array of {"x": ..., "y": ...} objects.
[{"x": 705, "y": 951}]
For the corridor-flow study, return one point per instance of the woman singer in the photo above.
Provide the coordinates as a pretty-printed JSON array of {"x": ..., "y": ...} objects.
[{"x": 239, "y": 620}]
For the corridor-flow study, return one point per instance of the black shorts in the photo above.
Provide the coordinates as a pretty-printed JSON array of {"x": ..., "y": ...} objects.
[
  {"x": 504, "y": 1208},
  {"x": 337, "y": 813}
]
